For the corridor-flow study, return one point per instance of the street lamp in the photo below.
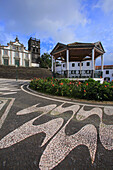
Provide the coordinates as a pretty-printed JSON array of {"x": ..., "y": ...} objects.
[{"x": 16, "y": 72}]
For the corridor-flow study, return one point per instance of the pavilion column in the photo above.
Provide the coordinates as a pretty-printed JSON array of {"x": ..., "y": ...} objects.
[
  {"x": 52, "y": 65},
  {"x": 80, "y": 68},
  {"x": 55, "y": 66},
  {"x": 93, "y": 64},
  {"x": 0, "y": 56},
  {"x": 10, "y": 57},
  {"x": 102, "y": 65},
  {"x": 23, "y": 59},
  {"x": 67, "y": 62}
]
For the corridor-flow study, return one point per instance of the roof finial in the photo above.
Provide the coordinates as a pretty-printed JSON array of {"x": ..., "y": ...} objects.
[{"x": 17, "y": 39}]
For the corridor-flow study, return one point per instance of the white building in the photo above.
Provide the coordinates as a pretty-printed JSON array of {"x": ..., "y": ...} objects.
[
  {"x": 15, "y": 54},
  {"x": 86, "y": 69},
  {"x": 107, "y": 72}
]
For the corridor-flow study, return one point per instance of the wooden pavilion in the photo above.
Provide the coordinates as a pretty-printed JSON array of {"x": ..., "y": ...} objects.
[{"x": 78, "y": 52}]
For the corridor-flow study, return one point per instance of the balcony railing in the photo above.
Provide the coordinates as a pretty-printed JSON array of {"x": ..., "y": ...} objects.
[{"x": 79, "y": 74}]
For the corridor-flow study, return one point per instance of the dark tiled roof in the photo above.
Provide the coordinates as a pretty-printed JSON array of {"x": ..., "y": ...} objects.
[
  {"x": 75, "y": 45},
  {"x": 105, "y": 67},
  {"x": 79, "y": 43}
]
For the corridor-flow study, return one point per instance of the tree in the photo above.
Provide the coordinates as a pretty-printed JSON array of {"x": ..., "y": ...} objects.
[{"x": 45, "y": 61}]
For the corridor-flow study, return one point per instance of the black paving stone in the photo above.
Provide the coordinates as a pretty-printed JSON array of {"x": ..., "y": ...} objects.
[{"x": 26, "y": 154}]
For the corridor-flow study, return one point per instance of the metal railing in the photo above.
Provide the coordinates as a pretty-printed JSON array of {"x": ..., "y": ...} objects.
[{"x": 79, "y": 74}]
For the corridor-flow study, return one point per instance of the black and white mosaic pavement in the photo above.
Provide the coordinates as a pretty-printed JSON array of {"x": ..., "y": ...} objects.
[{"x": 43, "y": 132}]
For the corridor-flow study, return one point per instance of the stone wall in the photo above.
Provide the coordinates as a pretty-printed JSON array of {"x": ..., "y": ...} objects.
[{"x": 23, "y": 72}]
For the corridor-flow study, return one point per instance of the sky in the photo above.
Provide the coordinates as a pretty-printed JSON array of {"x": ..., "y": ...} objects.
[{"x": 54, "y": 21}]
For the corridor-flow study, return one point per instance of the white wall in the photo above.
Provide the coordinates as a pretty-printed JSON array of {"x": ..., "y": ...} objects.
[
  {"x": 34, "y": 65},
  {"x": 84, "y": 67},
  {"x": 76, "y": 67},
  {"x": 21, "y": 53},
  {"x": 110, "y": 75}
]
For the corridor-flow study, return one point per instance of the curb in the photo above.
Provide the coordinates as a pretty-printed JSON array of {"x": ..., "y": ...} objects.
[{"x": 109, "y": 103}]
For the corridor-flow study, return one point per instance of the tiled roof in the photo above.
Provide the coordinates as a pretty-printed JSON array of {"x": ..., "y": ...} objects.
[
  {"x": 105, "y": 67},
  {"x": 79, "y": 43},
  {"x": 76, "y": 45}
]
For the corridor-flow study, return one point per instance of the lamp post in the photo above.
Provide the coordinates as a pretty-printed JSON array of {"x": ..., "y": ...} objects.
[{"x": 16, "y": 73}]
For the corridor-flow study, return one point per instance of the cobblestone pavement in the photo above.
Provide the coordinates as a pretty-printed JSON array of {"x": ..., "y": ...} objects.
[{"x": 44, "y": 132}]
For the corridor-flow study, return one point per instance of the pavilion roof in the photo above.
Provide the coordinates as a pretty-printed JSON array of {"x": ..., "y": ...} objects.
[
  {"x": 78, "y": 44},
  {"x": 78, "y": 50}
]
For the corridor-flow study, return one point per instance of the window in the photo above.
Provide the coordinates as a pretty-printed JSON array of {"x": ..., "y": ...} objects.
[
  {"x": 107, "y": 79},
  {"x": 16, "y": 54},
  {"x": 26, "y": 56},
  {"x": 73, "y": 64},
  {"x": 32, "y": 43},
  {"x": 19, "y": 48},
  {"x": 107, "y": 71},
  {"x": 87, "y": 71},
  {"x": 17, "y": 62},
  {"x": 65, "y": 73},
  {"x": 88, "y": 64},
  {"x": 6, "y": 62},
  {"x": 5, "y": 52},
  {"x": 79, "y": 64},
  {"x": 33, "y": 49},
  {"x": 26, "y": 63},
  {"x": 14, "y": 47},
  {"x": 63, "y": 65},
  {"x": 74, "y": 71}
]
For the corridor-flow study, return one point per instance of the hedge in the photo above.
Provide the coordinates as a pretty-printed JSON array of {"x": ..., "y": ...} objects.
[{"x": 90, "y": 89}]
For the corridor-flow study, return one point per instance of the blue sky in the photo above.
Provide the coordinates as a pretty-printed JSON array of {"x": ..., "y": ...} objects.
[{"x": 53, "y": 21}]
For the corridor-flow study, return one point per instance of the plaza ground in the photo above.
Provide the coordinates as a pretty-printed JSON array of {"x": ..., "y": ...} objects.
[{"x": 46, "y": 132}]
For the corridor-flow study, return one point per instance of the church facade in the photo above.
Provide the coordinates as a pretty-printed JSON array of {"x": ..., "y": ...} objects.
[{"x": 15, "y": 54}]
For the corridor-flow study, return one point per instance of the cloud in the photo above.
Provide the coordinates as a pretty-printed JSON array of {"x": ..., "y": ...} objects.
[
  {"x": 55, "y": 21},
  {"x": 5, "y": 37},
  {"x": 108, "y": 58},
  {"x": 48, "y": 18},
  {"x": 105, "y": 5}
]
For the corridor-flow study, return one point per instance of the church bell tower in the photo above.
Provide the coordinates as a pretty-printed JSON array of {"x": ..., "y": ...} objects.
[{"x": 34, "y": 48}]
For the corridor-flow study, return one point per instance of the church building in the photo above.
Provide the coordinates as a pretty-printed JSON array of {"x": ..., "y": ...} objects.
[{"x": 15, "y": 54}]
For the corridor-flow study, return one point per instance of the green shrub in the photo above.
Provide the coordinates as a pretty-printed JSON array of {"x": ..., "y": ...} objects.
[{"x": 90, "y": 89}]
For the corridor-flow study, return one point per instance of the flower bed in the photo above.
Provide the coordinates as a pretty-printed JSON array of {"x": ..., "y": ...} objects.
[{"x": 90, "y": 89}]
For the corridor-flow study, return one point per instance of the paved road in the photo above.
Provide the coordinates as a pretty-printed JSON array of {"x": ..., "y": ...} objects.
[{"x": 43, "y": 132}]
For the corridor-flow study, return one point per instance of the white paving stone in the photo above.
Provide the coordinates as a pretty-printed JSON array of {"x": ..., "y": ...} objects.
[{"x": 108, "y": 110}]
